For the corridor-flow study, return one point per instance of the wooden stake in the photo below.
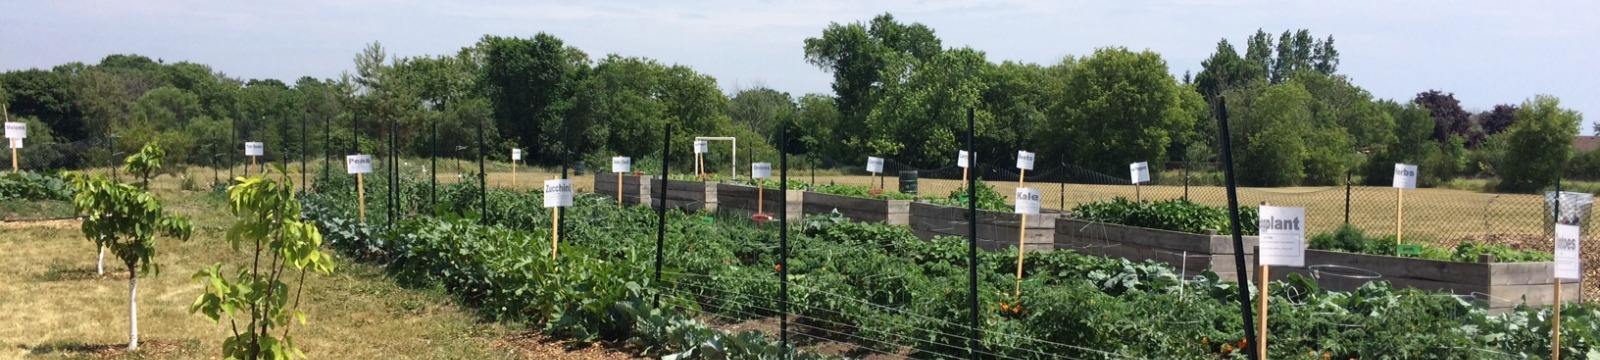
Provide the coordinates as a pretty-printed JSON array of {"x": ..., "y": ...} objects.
[
  {"x": 1399, "y": 217},
  {"x": 1261, "y": 322},
  {"x": 555, "y": 231},
  {"x": 253, "y": 163},
  {"x": 1138, "y": 194},
  {"x": 760, "y": 195},
  {"x": 361, "y": 197},
  {"x": 1022, "y": 242},
  {"x": 1555, "y": 336},
  {"x": 619, "y": 190},
  {"x": 513, "y": 174}
]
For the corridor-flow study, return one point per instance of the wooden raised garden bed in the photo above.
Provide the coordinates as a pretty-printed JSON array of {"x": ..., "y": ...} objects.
[
  {"x": 742, "y": 199},
  {"x": 632, "y": 189},
  {"x": 1501, "y": 286},
  {"x": 891, "y": 212},
  {"x": 1187, "y": 252},
  {"x": 996, "y": 230}
]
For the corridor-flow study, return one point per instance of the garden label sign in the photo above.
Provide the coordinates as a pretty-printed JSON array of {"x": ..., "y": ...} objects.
[
  {"x": 620, "y": 165},
  {"x": 557, "y": 194},
  {"x": 255, "y": 148},
  {"x": 516, "y": 155},
  {"x": 874, "y": 166},
  {"x": 1283, "y": 236},
  {"x": 1567, "y": 261},
  {"x": 1027, "y": 203},
  {"x": 358, "y": 165},
  {"x": 700, "y": 149},
  {"x": 964, "y": 160},
  {"x": 761, "y": 170},
  {"x": 1405, "y": 177},
  {"x": 15, "y": 132},
  {"x": 961, "y": 160},
  {"x": 1024, "y": 160},
  {"x": 1139, "y": 172}
]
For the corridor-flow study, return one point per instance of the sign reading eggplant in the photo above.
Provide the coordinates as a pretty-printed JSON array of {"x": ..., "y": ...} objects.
[
  {"x": 1283, "y": 236},
  {"x": 557, "y": 193},
  {"x": 358, "y": 164}
]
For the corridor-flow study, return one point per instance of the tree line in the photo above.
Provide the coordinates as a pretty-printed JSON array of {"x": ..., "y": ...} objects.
[{"x": 898, "y": 93}]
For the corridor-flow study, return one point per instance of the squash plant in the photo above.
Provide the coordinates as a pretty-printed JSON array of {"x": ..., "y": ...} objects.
[
  {"x": 270, "y": 222},
  {"x": 126, "y": 220}
]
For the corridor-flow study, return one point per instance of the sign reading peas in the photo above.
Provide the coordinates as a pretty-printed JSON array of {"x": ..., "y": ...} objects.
[
  {"x": 557, "y": 193},
  {"x": 621, "y": 164},
  {"x": 1027, "y": 201},
  {"x": 254, "y": 148},
  {"x": 358, "y": 164},
  {"x": 1024, "y": 160},
  {"x": 1568, "y": 265},
  {"x": 761, "y": 170}
]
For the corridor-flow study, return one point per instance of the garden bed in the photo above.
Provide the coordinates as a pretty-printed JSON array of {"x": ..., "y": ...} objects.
[
  {"x": 632, "y": 189},
  {"x": 996, "y": 230},
  {"x": 1188, "y": 252},
  {"x": 1502, "y": 286},
  {"x": 691, "y": 196},
  {"x": 891, "y": 212},
  {"x": 742, "y": 199}
]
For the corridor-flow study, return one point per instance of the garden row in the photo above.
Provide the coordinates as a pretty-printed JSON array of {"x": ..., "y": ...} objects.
[
  {"x": 883, "y": 288},
  {"x": 1190, "y": 237}
]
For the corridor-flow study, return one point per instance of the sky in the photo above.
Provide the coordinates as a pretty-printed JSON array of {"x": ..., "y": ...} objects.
[{"x": 1485, "y": 52}]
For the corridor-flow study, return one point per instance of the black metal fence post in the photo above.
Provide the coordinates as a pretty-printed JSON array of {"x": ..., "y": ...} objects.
[
  {"x": 1347, "y": 196},
  {"x": 661, "y": 210},
  {"x": 1238, "y": 237},
  {"x": 972, "y": 245},
  {"x": 783, "y": 239}
]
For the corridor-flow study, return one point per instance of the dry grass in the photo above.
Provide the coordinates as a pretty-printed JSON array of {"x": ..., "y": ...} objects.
[{"x": 52, "y": 303}]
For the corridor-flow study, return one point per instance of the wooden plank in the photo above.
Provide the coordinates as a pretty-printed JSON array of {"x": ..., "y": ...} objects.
[
  {"x": 1522, "y": 273},
  {"x": 1397, "y": 267}
]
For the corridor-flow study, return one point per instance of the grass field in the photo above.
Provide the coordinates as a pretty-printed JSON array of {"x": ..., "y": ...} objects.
[{"x": 53, "y": 304}]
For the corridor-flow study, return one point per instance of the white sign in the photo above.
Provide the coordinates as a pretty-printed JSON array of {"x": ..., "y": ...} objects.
[
  {"x": 1283, "y": 236},
  {"x": 1139, "y": 172},
  {"x": 961, "y": 160},
  {"x": 1027, "y": 201},
  {"x": 15, "y": 143},
  {"x": 358, "y": 164},
  {"x": 16, "y": 130},
  {"x": 1024, "y": 160},
  {"x": 621, "y": 164},
  {"x": 874, "y": 164},
  {"x": 1405, "y": 176},
  {"x": 557, "y": 193},
  {"x": 1567, "y": 261},
  {"x": 254, "y": 148},
  {"x": 516, "y": 154},
  {"x": 701, "y": 147},
  {"x": 760, "y": 170}
]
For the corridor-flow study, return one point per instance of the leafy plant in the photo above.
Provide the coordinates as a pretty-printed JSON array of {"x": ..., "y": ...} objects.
[
  {"x": 126, "y": 220},
  {"x": 270, "y": 221},
  {"x": 1175, "y": 214},
  {"x": 988, "y": 198},
  {"x": 32, "y": 186}
]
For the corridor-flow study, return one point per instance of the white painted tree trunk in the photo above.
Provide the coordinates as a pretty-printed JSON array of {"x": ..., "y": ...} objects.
[
  {"x": 100, "y": 268},
  {"x": 133, "y": 311}
]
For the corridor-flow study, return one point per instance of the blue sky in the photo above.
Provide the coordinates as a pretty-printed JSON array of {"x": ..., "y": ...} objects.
[{"x": 1486, "y": 52}]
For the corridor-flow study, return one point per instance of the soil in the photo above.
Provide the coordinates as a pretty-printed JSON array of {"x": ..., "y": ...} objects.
[{"x": 538, "y": 346}]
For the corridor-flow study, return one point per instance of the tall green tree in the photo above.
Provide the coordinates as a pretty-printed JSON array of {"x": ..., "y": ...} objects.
[
  {"x": 1538, "y": 144},
  {"x": 761, "y": 109},
  {"x": 866, "y": 59},
  {"x": 1118, "y": 107},
  {"x": 530, "y": 83}
]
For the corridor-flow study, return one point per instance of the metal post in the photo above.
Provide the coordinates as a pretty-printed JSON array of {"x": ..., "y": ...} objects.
[
  {"x": 1347, "y": 196},
  {"x": 433, "y": 168},
  {"x": 483, "y": 179},
  {"x": 972, "y": 245},
  {"x": 327, "y": 150},
  {"x": 783, "y": 240},
  {"x": 304, "y": 143},
  {"x": 1233, "y": 220},
  {"x": 661, "y": 211},
  {"x": 111, "y": 153}
]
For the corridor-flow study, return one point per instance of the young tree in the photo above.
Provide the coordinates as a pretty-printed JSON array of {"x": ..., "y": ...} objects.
[
  {"x": 126, "y": 220},
  {"x": 270, "y": 221}
]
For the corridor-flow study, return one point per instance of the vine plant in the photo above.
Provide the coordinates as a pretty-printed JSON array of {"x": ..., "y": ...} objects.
[
  {"x": 256, "y": 296},
  {"x": 126, "y": 220}
]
